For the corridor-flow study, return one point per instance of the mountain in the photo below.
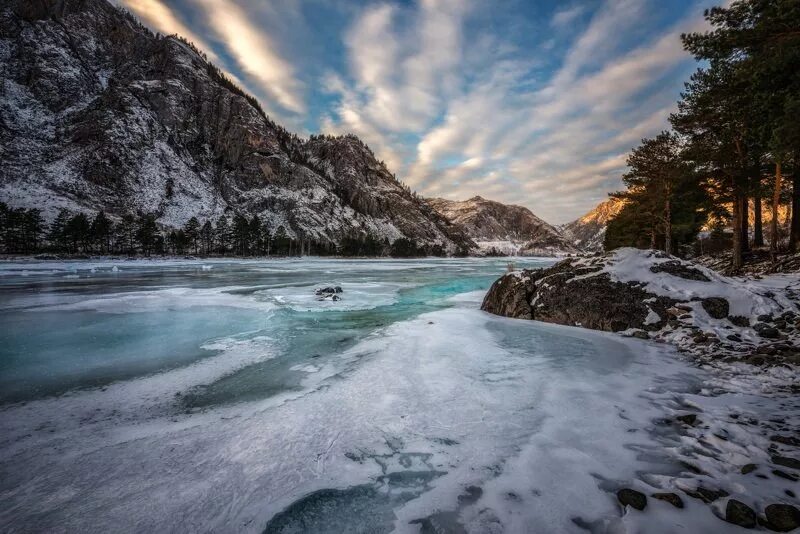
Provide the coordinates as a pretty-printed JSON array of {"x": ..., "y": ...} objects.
[
  {"x": 506, "y": 228},
  {"x": 97, "y": 112},
  {"x": 587, "y": 233}
]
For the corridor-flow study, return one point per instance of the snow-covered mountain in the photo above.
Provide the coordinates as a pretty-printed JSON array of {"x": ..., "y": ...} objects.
[
  {"x": 506, "y": 228},
  {"x": 587, "y": 232},
  {"x": 97, "y": 112}
]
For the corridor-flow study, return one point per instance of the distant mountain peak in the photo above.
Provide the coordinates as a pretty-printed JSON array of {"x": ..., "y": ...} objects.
[
  {"x": 507, "y": 228},
  {"x": 588, "y": 231}
]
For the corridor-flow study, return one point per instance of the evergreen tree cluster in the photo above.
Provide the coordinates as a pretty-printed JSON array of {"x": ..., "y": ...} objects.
[
  {"x": 24, "y": 232},
  {"x": 734, "y": 143}
]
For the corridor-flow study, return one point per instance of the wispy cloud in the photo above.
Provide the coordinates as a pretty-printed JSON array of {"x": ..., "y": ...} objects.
[{"x": 460, "y": 97}]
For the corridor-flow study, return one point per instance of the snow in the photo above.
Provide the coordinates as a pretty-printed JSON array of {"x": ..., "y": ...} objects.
[
  {"x": 547, "y": 421},
  {"x": 746, "y": 298}
]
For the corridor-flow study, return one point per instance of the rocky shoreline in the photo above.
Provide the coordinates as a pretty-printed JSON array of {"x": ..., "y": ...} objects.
[{"x": 738, "y": 438}]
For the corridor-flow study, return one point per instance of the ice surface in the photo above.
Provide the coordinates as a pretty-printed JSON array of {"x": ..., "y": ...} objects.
[{"x": 419, "y": 411}]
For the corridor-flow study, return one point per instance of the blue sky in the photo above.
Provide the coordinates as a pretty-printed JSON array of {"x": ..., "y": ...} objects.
[{"x": 526, "y": 102}]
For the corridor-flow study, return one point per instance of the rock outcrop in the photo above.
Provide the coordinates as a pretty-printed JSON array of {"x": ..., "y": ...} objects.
[
  {"x": 506, "y": 228},
  {"x": 648, "y": 294},
  {"x": 97, "y": 112}
]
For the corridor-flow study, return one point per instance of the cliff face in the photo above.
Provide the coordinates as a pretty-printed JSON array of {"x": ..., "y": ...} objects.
[
  {"x": 99, "y": 113},
  {"x": 588, "y": 232},
  {"x": 503, "y": 226}
]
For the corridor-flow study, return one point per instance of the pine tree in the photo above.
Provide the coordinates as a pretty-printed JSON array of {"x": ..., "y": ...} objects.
[
  {"x": 256, "y": 238},
  {"x": 126, "y": 234},
  {"x": 241, "y": 234},
  {"x": 207, "y": 237},
  {"x": 57, "y": 234},
  {"x": 192, "y": 231},
  {"x": 146, "y": 233},
  {"x": 78, "y": 232},
  {"x": 101, "y": 231},
  {"x": 223, "y": 234}
]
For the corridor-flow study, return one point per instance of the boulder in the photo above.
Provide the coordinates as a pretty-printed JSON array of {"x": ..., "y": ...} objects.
[
  {"x": 739, "y": 513},
  {"x": 672, "y": 498},
  {"x": 716, "y": 307},
  {"x": 573, "y": 293},
  {"x": 766, "y": 331},
  {"x": 706, "y": 495},
  {"x": 782, "y": 517},
  {"x": 632, "y": 498}
]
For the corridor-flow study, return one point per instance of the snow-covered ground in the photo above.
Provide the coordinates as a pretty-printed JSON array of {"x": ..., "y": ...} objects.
[{"x": 410, "y": 413}]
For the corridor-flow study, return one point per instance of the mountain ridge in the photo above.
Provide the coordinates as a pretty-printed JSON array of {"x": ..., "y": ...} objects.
[
  {"x": 506, "y": 228},
  {"x": 100, "y": 113},
  {"x": 588, "y": 231}
]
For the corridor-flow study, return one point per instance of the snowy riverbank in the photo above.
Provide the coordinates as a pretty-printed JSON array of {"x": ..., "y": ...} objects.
[{"x": 737, "y": 435}]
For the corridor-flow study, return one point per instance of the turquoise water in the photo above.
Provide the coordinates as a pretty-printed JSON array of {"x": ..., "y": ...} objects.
[
  {"x": 71, "y": 326},
  {"x": 223, "y": 396}
]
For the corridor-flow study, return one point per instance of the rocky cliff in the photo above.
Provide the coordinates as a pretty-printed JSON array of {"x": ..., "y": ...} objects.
[
  {"x": 97, "y": 112},
  {"x": 587, "y": 232},
  {"x": 504, "y": 227}
]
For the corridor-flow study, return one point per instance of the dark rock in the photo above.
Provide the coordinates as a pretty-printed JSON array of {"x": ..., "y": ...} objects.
[
  {"x": 510, "y": 295},
  {"x": 672, "y": 498},
  {"x": 786, "y": 461},
  {"x": 739, "y": 513},
  {"x": 471, "y": 495},
  {"x": 782, "y": 517},
  {"x": 680, "y": 269},
  {"x": 734, "y": 337},
  {"x": 689, "y": 419},
  {"x": 739, "y": 321},
  {"x": 591, "y": 301},
  {"x": 327, "y": 290},
  {"x": 784, "y": 474},
  {"x": 786, "y": 440},
  {"x": 640, "y": 334},
  {"x": 706, "y": 495},
  {"x": 766, "y": 331},
  {"x": 716, "y": 307},
  {"x": 748, "y": 468},
  {"x": 765, "y": 318},
  {"x": 632, "y": 498},
  {"x": 790, "y": 493}
]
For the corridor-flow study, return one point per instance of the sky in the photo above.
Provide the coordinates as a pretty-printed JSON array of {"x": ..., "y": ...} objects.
[{"x": 528, "y": 102}]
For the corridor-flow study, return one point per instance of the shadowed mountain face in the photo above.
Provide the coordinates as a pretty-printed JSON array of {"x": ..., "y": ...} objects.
[
  {"x": 99, "y": 113},
  {"x": 588, "y": 232},
  {"x": 492, "y": 224}
]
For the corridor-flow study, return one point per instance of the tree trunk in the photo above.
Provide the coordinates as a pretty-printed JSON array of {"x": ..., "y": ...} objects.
[
  {"x": 745, "y": 229},
  {"x": 776, "y": 199},
  {"x": 737, "y": 234},
  {"x": 667, "y": 227},
  {"x": 794, "y": 234},
  {"x": 758, "y": 225}
]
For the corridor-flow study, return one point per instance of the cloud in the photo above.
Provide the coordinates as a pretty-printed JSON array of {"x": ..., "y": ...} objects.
[
  {"x": 459, "y": 97},
  {"x": 564, "y": 16},
  {"x": 254, "y": 53},
  {"x": 162, "y": 18}
]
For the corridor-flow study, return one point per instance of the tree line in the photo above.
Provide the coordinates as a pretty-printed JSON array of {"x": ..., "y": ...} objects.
[
  {"x": 734, "y": 143},
  {"x": 23, "y": 231}
]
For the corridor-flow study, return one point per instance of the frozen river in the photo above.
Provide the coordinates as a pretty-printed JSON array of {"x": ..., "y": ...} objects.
[{"x": 224, "y": 397}]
